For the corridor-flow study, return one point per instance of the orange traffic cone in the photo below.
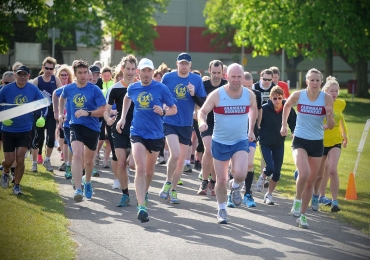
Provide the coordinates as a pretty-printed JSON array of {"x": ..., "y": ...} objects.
[{"x": 351, "y": 193}]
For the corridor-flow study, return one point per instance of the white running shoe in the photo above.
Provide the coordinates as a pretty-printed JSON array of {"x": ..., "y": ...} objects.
[{"x": 116, "y": 185}]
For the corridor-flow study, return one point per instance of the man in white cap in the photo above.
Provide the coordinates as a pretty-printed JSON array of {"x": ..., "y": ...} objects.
[
  {"x": 146, "y": 132},
  {"x": 188, "y": 89},
  {"x": 17, "y": 131}
]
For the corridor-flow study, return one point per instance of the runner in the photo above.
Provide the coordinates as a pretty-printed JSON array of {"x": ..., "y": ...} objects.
[
  {"x": 235, "y": 113},
  {"x": 147, "y": 138},
  {"x": 313, "y": 106},
  {"x": 87, "y": 104},
  {"x": 187, "y": 88}
]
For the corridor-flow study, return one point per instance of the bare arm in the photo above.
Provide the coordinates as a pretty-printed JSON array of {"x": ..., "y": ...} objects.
[
  {"x": 329, "y": 111},
  {"x": 55, "y": 101},
  {"x": 253, "y": 111},
  {"x": 292, "y": 100},
  {"x": 106, "y": 115},
  {"x": 121, "y": 122},
  {"x": 35, "y": 81},
  {"x": 62, "y": 104},
  {"x": 59, "y": 82}
]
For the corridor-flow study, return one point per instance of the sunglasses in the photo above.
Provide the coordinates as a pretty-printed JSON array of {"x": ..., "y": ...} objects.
[
  {"x": 266, "y": 79},
  {"x": 64, "y": 75},
  {"x": 47, "y": 68},
  {"x": 276, "y": 98}
]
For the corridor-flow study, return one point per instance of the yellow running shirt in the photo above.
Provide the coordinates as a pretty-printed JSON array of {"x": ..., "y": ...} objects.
[{"x": 334, "y": 136}]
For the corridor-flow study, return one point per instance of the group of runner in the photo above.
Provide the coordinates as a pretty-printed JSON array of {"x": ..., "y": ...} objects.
[{"x": 142, "y": 115}]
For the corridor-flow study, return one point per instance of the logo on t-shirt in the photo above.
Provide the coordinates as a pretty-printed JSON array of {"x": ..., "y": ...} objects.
[
  {"x": 180, "y": 91},
  {"x": 311, "y": 110},
  {"x": 231, "y": 110},
  {"x": 144, "y": 99},
  {"x": 79, "y": 100},
  {"x": 20, "y": 99}
]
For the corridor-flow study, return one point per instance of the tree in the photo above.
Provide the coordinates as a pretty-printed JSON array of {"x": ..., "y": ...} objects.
[
  {"x": 301, "y": 27},
  {"x": 132, "y": 22}
]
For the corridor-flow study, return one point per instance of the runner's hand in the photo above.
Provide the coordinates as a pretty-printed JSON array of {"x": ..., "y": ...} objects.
[
  {"x": 111, "y": 120},
  {"x": 120, "y": 125}
]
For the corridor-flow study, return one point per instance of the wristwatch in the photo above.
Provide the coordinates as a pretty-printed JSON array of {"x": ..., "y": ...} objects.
[
  {"x": 164, "y": 112},
  {"x": 89, "y": 113}
]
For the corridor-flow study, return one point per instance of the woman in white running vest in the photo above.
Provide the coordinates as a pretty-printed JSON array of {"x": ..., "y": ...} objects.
[{"x": 308, "y": 147}]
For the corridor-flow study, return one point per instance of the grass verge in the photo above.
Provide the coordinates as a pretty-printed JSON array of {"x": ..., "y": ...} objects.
[{"x": 34, "y": 225}]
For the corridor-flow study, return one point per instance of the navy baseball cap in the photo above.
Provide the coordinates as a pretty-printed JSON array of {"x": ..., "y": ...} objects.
[
  {"x": 94, "y": 69},
  {"x": 184, "y": 57},
  {"x": 23, "y": 69}
]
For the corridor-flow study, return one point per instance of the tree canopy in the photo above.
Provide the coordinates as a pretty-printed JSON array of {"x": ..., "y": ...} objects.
[
  {"x": 302, "y": 27},
  {"x": 129, "y": 21}
]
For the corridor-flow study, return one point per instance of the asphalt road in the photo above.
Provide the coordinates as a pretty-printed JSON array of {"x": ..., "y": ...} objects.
[{"x": 189, "y": 230}]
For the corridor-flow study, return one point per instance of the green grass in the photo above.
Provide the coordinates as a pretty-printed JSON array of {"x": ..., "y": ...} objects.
[
  {"x": 354, "y": 212},
  {"x": 34, "y": 225}
]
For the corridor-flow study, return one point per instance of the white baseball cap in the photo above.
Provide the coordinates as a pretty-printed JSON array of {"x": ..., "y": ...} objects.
[{"x": 145, "y": 63}]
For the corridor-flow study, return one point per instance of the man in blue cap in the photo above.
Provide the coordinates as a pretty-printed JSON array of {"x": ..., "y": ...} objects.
[{"x": 188, "y": 89}]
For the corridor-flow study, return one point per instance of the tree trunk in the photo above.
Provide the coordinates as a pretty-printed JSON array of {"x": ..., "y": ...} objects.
[
  {"x": 361, "y": 77},
  {"x": 328, "y": 64},
  {"x": 291, "y": 64},
  {"x": 59, "y": 54}
]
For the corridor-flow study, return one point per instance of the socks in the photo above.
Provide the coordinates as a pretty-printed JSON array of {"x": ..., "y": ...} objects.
[
  {"x": 235, "y": 185},
  {"x": 186, "y": 162},
  {"x": 125, "y": 191},
  {"x": 248, "y": 182},
  {"x": 47, "y": 158},
  {"x": 222, "y": 205}
]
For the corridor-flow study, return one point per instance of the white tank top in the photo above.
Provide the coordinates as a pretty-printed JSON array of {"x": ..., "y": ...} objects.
[
  {"x": 231, "y": 118},
  {"x": 310, "y": 117}
]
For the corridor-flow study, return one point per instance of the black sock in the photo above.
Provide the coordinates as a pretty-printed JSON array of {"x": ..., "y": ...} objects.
[
  {"x": 205, "y": 182},
  {"x": 213, "y": 182},
  {"x": 12, "y": 169},
  {"x": 125, "y": 191},
  {"x": 248, "y": 182}
]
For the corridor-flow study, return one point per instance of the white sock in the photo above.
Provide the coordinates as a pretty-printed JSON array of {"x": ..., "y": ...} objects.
[
  {"x": 222, "y": 205},
  {"x": 67, "y": 163},
  {"x": 186, "y": 162},
  {"x": 47, "y": 158},
  {"x": 235, "y": 185}
]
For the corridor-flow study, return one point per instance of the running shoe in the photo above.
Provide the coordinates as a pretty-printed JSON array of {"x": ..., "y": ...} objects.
[
  {"x": 88, "y": 190},
  {"x": 116, "y": 185},
  {"x": 164, "y": 193},
  {"x": 236, "y": 196},
  {"x": 302, "y": 221},
  {"x": 39, "y": 159},
  {"x": 95, "y": 172},
  {"x": 203, "y": 188},
  {"x": 173, "y": 197},
  {"x": 34, "y": 167},
  {"x": 17, "y": 190},
  {"x": 268, "y": 199},
  {"x": 197, "y": 165},
  {"x": 180, "y": 182},
  {"x": 296, "y": 208},
  {"x": 47, "y": 165},
  {"x": 315, "y": 202},
  {"x": 187, "y": 168},
  {"x": 1, "y": 167},
  {"x": 125, "y": 201},
  {"x": 142, "y": 215},
  {"x": 260, "y": 183},
  {"x": 78, "y": 195},
  {"x": 68, "y": 173},
  {"x": 230, "y": 203},
  {"x": 249, "y": 201},
  {"x": 62, "y": 168},
  {"x": 4, "y": 180},
  {"x": 222, "y": 216},
  {"x": 334, "y": 206},
  {"x": 325, "y": 201},
  {"x": 200, "y": 176},
  {"x": 211, "y": 187},
  {"x": 161, "y": 160},
  {"x": 105, "y": 164}
]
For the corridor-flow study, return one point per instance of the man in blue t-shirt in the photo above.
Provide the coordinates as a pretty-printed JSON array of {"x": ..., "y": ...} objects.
[
  {"x": 188, "y": 89},
  {"x": 87, "y": 105},
  {"x": 152, "y": 101},
  {"x": 17, "y": 131}
]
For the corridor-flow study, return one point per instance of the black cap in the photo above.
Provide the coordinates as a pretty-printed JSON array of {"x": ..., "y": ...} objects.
[
  {"x": 24, "y": 69},
  {"x": 94, "y": 69},
  {"x": 184, "y": 57}
]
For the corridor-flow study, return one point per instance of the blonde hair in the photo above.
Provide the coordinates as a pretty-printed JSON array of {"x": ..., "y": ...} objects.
[
  {"x": 65, "y": 68},
  {"x": 313, "y": 70},
  {"x": 330, "y": 80}
]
